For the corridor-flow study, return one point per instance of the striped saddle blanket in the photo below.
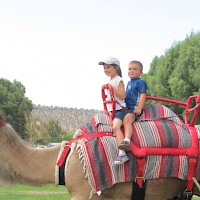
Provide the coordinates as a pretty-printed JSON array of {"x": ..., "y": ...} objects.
[
  {"x": 160, "y": 127},
  {"x": 157, "y": 127}
]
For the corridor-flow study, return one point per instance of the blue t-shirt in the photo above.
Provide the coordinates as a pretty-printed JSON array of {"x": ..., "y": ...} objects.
[{"x": 134, "y": 88}]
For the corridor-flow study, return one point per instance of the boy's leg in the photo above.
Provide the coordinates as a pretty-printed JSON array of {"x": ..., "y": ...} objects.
[
  {"x": 128, "y": 129},
  {"x": 128, "y": 120}
]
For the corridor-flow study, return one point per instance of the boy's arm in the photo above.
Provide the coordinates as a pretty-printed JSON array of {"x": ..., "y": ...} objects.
[{"x": 140, "y": 105}]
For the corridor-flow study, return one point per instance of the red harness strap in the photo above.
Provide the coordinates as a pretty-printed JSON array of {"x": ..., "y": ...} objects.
[
  {"x": 192, "y": 159},
  {"x": 86, "y": 136},
  {"x": 191, "y": 171},
  {"x": 140, "y": 171}
]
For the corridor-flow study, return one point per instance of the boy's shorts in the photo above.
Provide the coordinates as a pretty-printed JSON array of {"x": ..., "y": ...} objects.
[{"x": 119, "y": 114}]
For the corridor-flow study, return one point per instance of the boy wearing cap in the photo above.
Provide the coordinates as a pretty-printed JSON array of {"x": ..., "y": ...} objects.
[{"x": 112, "y": 69}]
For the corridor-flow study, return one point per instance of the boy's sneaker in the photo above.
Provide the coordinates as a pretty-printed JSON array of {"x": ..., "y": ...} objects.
[
  {"x": 125, "y": 145},
  {"x": 121, "y": 159}
]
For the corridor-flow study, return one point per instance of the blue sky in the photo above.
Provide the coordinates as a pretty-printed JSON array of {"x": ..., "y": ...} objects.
[{"x": 53, "y": 46}]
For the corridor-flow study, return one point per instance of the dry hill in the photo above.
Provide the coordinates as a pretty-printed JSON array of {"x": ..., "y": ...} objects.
[{"x": 70, "y": 119}]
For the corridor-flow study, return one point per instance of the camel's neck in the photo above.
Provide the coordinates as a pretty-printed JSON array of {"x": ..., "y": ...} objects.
[{"x": 25, "y": 164}]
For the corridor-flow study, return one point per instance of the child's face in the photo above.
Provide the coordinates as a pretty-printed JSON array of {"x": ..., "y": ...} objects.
[
  {"x": 134, "y": 71},
  {"x": 110, "y": 70}
]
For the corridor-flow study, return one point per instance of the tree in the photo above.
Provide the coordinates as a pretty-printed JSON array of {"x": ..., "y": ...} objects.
[
  {"x": 56, "y": 133},
  {"x": 15, "y": 104},
  {"x": 36, "y": 130},
  {"x": 176, "y": 74}
]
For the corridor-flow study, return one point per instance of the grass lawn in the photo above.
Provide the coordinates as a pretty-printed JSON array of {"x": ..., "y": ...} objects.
[{"x": 25, "y": 192}]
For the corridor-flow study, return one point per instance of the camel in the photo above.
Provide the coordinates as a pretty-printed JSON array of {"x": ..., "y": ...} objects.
[{"x": 21, "y": 163}]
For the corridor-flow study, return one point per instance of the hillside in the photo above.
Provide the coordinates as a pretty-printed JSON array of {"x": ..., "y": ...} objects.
[{"x": 70, "y": 119}]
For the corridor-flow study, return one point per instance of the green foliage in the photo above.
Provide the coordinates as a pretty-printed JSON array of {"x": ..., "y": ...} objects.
[
  {"x": 18, "y": 109},
  {"x": 40, "y": 132},
  {"x": 176, "y": 74},
  {"x": 15, "y": 104},
  {"x": 68, "y": 136},
  {"x": 56, "y": 134},
  {"x": 36, "y": 130}
]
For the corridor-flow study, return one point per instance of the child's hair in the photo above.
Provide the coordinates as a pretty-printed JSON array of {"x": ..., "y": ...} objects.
[
  {"x": 119, "y": 71},
  {"x": 137, "y": 62}
]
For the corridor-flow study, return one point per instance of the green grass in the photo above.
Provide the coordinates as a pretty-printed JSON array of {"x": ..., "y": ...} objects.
[{"x": 25, "y": 192}]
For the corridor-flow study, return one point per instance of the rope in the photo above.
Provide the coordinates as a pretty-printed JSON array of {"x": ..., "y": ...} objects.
[
  {"x": 192, "y": 109},
  {"x": 124, "y": 108}
]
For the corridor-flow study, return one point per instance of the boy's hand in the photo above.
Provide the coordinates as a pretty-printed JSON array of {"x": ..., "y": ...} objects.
[{"x": 137, "y": 111}]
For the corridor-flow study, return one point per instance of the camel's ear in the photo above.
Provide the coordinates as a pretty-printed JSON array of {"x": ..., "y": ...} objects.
[{"x": 2, "y": 115}]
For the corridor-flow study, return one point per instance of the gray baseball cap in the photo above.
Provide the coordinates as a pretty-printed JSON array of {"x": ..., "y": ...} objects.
[{"x": 110, "y": 61}]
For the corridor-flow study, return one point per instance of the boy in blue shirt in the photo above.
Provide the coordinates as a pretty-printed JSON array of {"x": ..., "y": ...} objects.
[{"x": 135, "y": 99}]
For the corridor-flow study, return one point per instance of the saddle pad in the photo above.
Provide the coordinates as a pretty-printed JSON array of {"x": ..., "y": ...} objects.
[
  {"x": 157, "y": 127},
  {"x": 158, "y": 111},
  {"x": 160, "y": 127},
  {"x": 160, "y": 133},
  {"x": 98, "y": 155},
  {"x": 99, "y": 123}
]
